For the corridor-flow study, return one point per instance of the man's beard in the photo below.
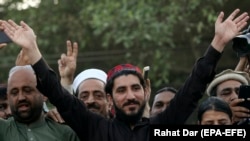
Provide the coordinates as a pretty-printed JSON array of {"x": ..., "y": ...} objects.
[
  {"x": 95, "y": 108},
  {"x": 130, "y": 119},
  {"x": 29, "y": 116}
]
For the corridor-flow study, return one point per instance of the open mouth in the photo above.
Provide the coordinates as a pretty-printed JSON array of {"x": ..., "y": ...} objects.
[{"x": 23, "y": 107}]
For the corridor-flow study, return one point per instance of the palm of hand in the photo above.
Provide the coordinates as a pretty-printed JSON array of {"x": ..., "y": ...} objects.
[
  {"x": 67, "y": 66},
  {"x": 227, "y": 30},
  {"x": 24, "y": 37}
]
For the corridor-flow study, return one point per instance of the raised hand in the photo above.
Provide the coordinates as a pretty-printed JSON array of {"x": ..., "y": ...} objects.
[
  {"x": 22, "y": 59},
  {"x": 23, "y": 36},
  {"x": 226, "y": 30},
  {"x": 239, "y": 112},
  {"x": 67, "y": 64}
]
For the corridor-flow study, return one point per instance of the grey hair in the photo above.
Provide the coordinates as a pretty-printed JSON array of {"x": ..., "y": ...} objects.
[{"x": 16, "y": 68}]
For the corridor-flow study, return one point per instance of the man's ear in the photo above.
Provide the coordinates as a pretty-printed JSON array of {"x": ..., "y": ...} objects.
[
  {"x": 110, "y": 104},
  {"x": 110, "y": 100}
]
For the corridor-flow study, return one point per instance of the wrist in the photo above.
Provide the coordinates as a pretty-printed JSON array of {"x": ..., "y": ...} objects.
[
  {"x": 66, "y": 80},
  {"x": 218, "y": 44}
]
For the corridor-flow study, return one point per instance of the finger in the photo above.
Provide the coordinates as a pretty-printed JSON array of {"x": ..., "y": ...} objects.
[
  {"x": 1, "y": 25},
  {"x": 233, "y": 14},
  {"x": 51, "y": 115},
  {"x": 241, "y": 114},
  {"x": 63, "y": 58},
  {"x": 75, "y": 50},
  {"x": 220, "y": 18},
  {"x": 241, "y": 25},
  {"x": 59, "y": 118},
  {"x": 69, "y": 48},
  {"x": 236, "y": 101},
  {"x": 3, "y": 45},
  {"x": 8, "y": 29},
  {"x": 13, "y": 24},
  {"x": 241, "y": 109},
  {"x": 242, "y": 17},
  {"x": 59, "y": 62},
  {"x": 24, "y": 25}
]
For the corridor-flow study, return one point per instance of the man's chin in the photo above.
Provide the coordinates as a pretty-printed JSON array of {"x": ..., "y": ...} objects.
[
  {"x": 94, "y": 111},
  {"x": 132, "y": 113}
]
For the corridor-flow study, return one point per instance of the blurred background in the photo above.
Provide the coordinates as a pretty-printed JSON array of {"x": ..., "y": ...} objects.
[{"x": 169, "y": 36}]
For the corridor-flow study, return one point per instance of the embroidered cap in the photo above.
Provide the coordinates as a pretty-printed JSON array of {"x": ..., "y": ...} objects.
[{"x": 122, "y": 67}]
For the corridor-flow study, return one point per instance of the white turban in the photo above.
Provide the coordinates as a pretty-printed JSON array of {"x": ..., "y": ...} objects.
[{"x": 87, "y": 74}]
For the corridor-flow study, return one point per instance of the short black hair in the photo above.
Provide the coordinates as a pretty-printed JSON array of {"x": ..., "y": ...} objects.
[
  {"x": 167, "y": 89},
  {"x": 110, "y": 83},
  {"x": 216, "y": 104},
  {"x": 3, "y": 91}
]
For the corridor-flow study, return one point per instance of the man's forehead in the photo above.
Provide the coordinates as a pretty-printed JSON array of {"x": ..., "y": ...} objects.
[
  {"x": 164, "y": 96},
  {"x": 126, "y": 80},
  {"x": 230, "y": 82}
]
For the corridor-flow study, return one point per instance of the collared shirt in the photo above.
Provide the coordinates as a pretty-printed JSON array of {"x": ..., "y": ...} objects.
[{"x": 42, "y": 130}]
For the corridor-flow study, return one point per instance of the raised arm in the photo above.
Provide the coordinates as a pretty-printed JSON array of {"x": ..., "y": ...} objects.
[
  {"x": 188, "y": 96},
  {"x": 48, "y": 82},
  {"x": 24, "y": 37},
  {"x": 226, "y": 30},
  {"x": 67, "y": 65}
]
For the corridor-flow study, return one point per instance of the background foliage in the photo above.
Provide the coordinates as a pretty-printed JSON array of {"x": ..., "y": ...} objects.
[{"x": 166, "y": 35}]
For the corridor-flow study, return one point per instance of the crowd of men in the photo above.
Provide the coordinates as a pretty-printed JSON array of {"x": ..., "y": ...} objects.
[{"x": 114, "y": 105}]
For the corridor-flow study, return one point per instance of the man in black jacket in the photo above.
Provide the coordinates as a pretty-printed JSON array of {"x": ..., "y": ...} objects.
[{"x": 126, "y": 86}]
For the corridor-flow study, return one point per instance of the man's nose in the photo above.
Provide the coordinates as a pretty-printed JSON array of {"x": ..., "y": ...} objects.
[
  {"x": 130, "y": 94},
  {"x": 90, "y": 99},
  {"x": 21, "y": 95}
]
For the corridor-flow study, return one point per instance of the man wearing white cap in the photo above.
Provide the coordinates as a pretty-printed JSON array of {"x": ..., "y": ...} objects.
[
  {"x": 226, "y": 86},
  {"x": 89, "y": 87}
]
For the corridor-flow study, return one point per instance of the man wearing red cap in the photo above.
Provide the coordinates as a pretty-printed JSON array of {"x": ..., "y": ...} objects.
[{"x": 127, "y": 87}]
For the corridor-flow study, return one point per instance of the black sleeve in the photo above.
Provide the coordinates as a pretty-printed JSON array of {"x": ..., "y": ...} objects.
[
  {"x": 188, "y": 96},
  {"x": 72, "y": 110}
]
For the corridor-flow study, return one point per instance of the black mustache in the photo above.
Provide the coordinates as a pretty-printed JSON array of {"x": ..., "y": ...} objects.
[
  {"x": 131, "y": 102},
  {"x": 93, "y": 105},
  {"x": 23, "y": 102}
]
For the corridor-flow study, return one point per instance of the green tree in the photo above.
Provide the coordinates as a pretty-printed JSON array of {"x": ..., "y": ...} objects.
[{"x": 166, "y": 35}]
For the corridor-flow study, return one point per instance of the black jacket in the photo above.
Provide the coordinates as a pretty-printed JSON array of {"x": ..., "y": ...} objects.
[{"x": 92, "y": 127}]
